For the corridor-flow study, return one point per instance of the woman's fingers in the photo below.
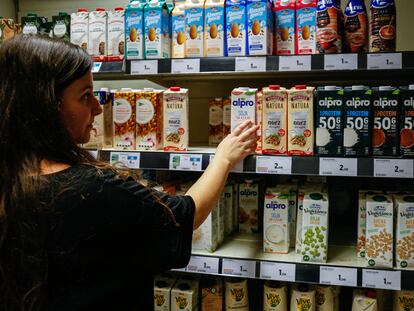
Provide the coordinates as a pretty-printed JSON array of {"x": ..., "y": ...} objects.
[
  {"x": 238, "y": 130},
  {"x": 249, "y": 133}
]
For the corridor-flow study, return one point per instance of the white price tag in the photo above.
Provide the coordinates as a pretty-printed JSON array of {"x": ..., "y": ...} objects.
[
  {"x": 393, "y": 168},
  {"x": 341, "y": 61},
  {"x": 338, "y": 276},
  {"x": 251, "y": 64},
  {"x": 278, "y": 271},
  {"x": 243, "y": 268},
  {"x": 185, "y": 162},
  {"x": 199, "y": 264},
  {"x": 274, "y": 165},
  {"x": 129, "y": 159},
  {"x": 144, "y": 67},
  {"x": 338, "y": 167},
  {"x": 190, "y": 65},
  {"x": 238, "y": 168},
  {"x": 381, "y": 279},
  {"x": 94, "y": 153},
  {"x": 180, "y": 270},
  {"x": 96, "y": 67},
  {"x": 295, "y": 63},
  {"x": 384, "y": 61}
]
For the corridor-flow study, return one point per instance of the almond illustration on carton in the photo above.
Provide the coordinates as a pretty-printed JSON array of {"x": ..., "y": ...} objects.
[
  {"x": 193, "y": 32},
  {"x": 256, "y": 28},
  {"x": 213, "y": 31},
  {"x": 235, "y": 31}
]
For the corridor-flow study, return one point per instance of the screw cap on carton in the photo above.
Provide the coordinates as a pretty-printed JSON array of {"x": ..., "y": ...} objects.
[
  {"x": 300, "y": 87},
  {"x": 274, "y": 87},
  {"x": 119, "y": 9},
  {"x": 175, "y": 88},
  {"x": 82, "y": 10},
  {"x": 371, "y": 294},
  {"x": 100, "y": 10}
]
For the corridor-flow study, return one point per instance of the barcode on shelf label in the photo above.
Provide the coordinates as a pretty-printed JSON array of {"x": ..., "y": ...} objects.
[
  {"x": 190, "y": 65},
  {"x": 338, "y": 276},
  {"x": 381, "y": 279},
  {"x": 378, "y": 61},
  {"x": 186, "y": 162},
  {"x": 341, "y": 61},
  {"x": 144, "y": 67},
  {"x": 129, "y": 159},
  {"x": 295, "y": 63},
  {"x": 238, "y": 168},
  {"x": 96, "y": 67},
  {"x": 278, "y": 271},
  {"x": 397, "y": 168},
  {"x": 273, "y": 165},
  {"x": 94, "y": 153},
  {"x": 243, "y": 268},
  {"x": 338, "y": 167},
  {"x": 251, "y": 64},
  {"x": 200, "y": 264}
]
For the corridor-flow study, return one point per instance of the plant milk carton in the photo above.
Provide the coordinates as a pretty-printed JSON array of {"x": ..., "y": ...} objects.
[
  {"x": 285, "y": 15},
  {"x": 276, "y": 226},
  {"x": 194, "y": 35},
  {"x": 221, "y": 209},
  {"x": 380, "y": 231},
  {"x": 226, "y": 116},
  {"x": 407, "y": 121},
  {"x": 306, "y": 27},
  {"x": 404, "y": 246},
  {"x": 358, "y": 121},
  {"x": 116, "y": 34},
  {"x": 61, "y": 26},
  {"x": 212, "y": 293},
  {"x": 184, "y": 296},
  {"x": 124, "y": 119},
  {"x": 134, "y": 41},
  {"x": 248, "y": 207},
  {"x": 206, "y": 237},
  {"x": 236, "y": 28},
  {"x": 355, "y": 27},
  {"x": 228, "y": 209},
  {"x": 329, "y": 120},
  {"x": 156, "y": 36},
  {"x": 259, "y": 119},
  {"x": 214, "y": 28},
  {"x": 259, "y": 27},
  {"x": 97, "y": 46},
  {"x": 162, "y": 293},
  {"x": 274, "y": 123},
  {"x": 243, "y": 106},
  {"x": 235, "y": 207},
  {"x": 215, "y": 120},
  {"x": 237, "y": 294},
  {"x": 178, "y": 31},
  {"x": 274, "y": 296}
]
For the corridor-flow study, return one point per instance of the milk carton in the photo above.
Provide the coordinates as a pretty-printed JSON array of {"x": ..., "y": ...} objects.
[
  {"x": 259, "y": 120},
  {"x": 206, "y": 237},
  {"x": 79, "y": 23},
  {"x": 162, "y": 294},
  {"x": 235, "y": 207},
  {"x": 306, "y": 27},
  {"x": 194, "y": 35},
  {"x": 328, "y": 27},
  {"x": 116, "y": 34},
  {"x": 97, "y": 46},
  {"x": 243, "y": 106},
  {"x": 274, "y": 124},
  {"x": 134, "y": 41},
  {"x": 212, "y": 294},
  {"x": 329, "y": 121},
  {"x": 407, "y": 121},
  {"x": 259, "y": 27},
  {"x": 404, "y": 248},
  {"x": 156, "y": 18},
  {"x": 379, "y": 233},
  {"x": 214, "y": 29},
  {"x": 248, "y": 207},
  {"x": 285, "y": 42},
  {"x": 221, "y": 211},
  {"x": 275, "y": 296},
  {"x": 228, "y": 209},
  {"x": 31, "y": 24},
  {"x": 61, "y": 26},
  {"x": 236, "y": 28},
  {"x": 124, "y": 119},
  {"x": 356, "y": 27},
  {"x": 302, "y": 298},
  {"x": 226, "y": 116},
  {"x": 178, "y": 31},
  {"x": 237, "y": 294},
  {"x": 215, "y": 121},
  {"x": 358, "y": 121},
  {"x": 7, "y": 29},
  {"x": 276, "y": 226},
  {"x": 184, "y": 296}
]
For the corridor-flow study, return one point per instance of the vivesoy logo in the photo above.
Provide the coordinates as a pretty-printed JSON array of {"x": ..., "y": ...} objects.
[
  {"x": 409, "y": 102},
  {"x": 274, "y": 205},
  {"x": 385, "y": 102},
  {"x": 241, "y": 102},
  {"x": 329, "y": 102},
  {"x": 248, "y": 193},
  {"x": 357, "y": 102}
]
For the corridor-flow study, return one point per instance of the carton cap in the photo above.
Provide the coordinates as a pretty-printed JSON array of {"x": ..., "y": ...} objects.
[
  {"x": 31, "y": 14},
  {"x": 82, "y": 10},
  {"x": 300, "y": 87},
  {"x": 100, "y": 10},
  {"x": 119, "y": 9},
  {"x": 104, "y": 89},
  {"x": 306, "y": 1},
  {"x": 330, "y": 88},
  {"x": 63, "y": 14},
  {"x": 274, "y": 86},
  {"x": 244, "y": 88},
  {"x": 153, "y": 3},
  {"x": 411, "y": 87},
  {"x": 148, "y": 89},
  {"x": 175, "y": 88},
  {"x": 126, "y": 89},
  {"x": 114, "y": 90},
  {"x": 134, "y": 4},
  {"x": 385, "y": 88},
  {"x": 358, "y": 87},
  {"x": 371, "y": 294}
]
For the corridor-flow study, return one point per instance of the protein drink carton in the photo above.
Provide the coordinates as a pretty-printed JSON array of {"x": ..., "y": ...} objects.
[
  {"x": 274, "y": 124},
  {"x": 79, "y": 28},
  {"x": 300, "y": 120},
  {"x": 236, "y": 28},
  {"x": 306, "y": 27},
  {"x": 248, "y": 207},
  {"x": 276, "y": 225},
  {"x": 162, "y": 293},
  {"x": 175, "y": 119},
  {"x": 214, "y": 28},
  {"x": 329, "y": 121},
  {"x": 156, "y": 36},
  {"x": 124, "y": 119},
  {"x": 116, "y": 34},
  {"x": 356, "y": 27},
  {"x": 404, "y": 248},
  {"x": 358, "y": 121},
  {"x": 259, "y": 27},
  {"x": 243, "y": 106},
  {"x": 407, "y": 121},
  {"x": 61, "y": 26},
  {"x": 194, "y": 35},
  {"x": 134, "y": 41},
  {"x": 97, "y": 46},
  {"x": 178, "y": 31},
  {"x": 184, "y": 296},
  {"x": 328, "y": 27},
  {"x": 206, "y": 237},
  {"x": 284, "y": 37},
  {"x": 215, "y": 107},
  {"x": 385, "y": 138}
]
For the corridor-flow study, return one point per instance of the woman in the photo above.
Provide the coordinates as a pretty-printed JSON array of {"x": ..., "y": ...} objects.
[{"x": 75, "y": 233}]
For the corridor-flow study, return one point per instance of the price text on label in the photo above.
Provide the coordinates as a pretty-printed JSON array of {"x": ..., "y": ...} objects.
[
  {"x": 338, "y": 276},
  {"x": 381, "y": 279},
  {"x": 251, "y": 64},
  {"x": 278, "y": 271},
  {"x": 200, "y": 264},
  {"x": 129, "y": 159},
  {"x": 243, "y": 268},
  {"x": 393, "y": 168},
  {"x": 144, "y": 67},
  {"x": 191, "y": 65},
  {"x": 378, "y": 61},
  {"x": 295, "y": 63},
  {"x": 338, "y": 166},
  {"x": 341, "y": 62},
  {"x": 186, "y": 162},
  {"x": 274, "y": 165}
]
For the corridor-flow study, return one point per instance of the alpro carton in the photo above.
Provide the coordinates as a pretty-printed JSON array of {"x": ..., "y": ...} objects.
[
  {"x": 276, "y": 225},
  {"x": 236, "y": 28},
  {"x": 97, "y": 46},
  {"x": 206, "y": 236},
  {"x": 116, "y": 34},
  {"x": 184, "y": 296},
  {"x": 404, "y": 245},
  {"x": 306, "y": 27},
  {"x": 329, "y": 120},
  {"x": 407, "y": 121},
  {"x": 248, "y": 207},
  {"x": 194, "y": 35},
  {"x": 284, "y": 36},
  {"x": 178, "y": 31},
  {"x": 162, "y": 293},
  {"x": 243, "y": 106},
  {"x": 79, "y": 28},
  {"x": 357, "y": 121},
  {"x": 214, "y": 28},
  {"x": 156, "y": 36},
  {"x": 385, "y": 130},
  {"x": 124, "y": 119},
  {"x": 259, "y": 27},
  {"x": 134, "y": 41}
]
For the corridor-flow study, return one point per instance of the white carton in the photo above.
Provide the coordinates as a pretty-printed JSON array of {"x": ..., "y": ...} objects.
[
  {"x": 379, "y": 232},
  {"x": 194, "y": 20},
  {"x": 214, "y": 30},
  {"x": 162, "y": 293},
  {"x": 228, "y": 209},
  {"x": 248, "y": 207},
  {"x": 97, "y": 46},
  {"x": 178, "y": 31},
  {"x": 235, "y": 207},
  {"x": 243, "y": 106},
  {"x": 404, "y": 245},
  {"x": 206, "y": 237},
  {"x": 184, "y": 296},
  {"x": 79, "y": 25},
  {"x": 116, "y": 34},
  {"x": 221, "y": 209}
]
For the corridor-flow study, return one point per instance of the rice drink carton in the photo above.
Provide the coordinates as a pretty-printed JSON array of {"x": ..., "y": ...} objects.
[
  {"x": 248, "y": 207},
  {"x": 97, "y": 46},
  {"x": 285, "y": 15},
  {"x": 259, "y": 27},
  {"x": 404, "y": 248},
  {"x": 194, "y": 35},
  {"x": 214, "y": 28},
  {"x": 243, "y": 106},
  {"x": 79, "y": 23},
  {"x": 236, "y": 28},
  {"x": 134, "y": 25},
  {"x": 116, "y": 34},
  {"x": 407, "y": 121},
  {"x": 306, "y": 27},
  {"x": 178, "y": 31},
  {"x": 156, "y": 31}
]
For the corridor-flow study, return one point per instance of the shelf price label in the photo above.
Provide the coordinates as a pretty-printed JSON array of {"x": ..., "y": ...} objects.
[
  {"x": 251, "y": 64},
  {"x": 295, "y": 63},
  {"x": 278, "y": 271},
  {"x": 200, "y": 264},
  {"x": 378, "y": 61},
  {"x": 381, "y": 279},
  {"x": 397, "y": 168},
  {"x": 274, "y": 165},
  {"x": 96, "y": 67},
  {"x": 129, "y": 159},
  {"x": 190, "y": 65},
  {"x": 338, "y": 276},
  {"x": 144, "y": 67},
  {"x": 238, "y": 168},
  {"x": 341, "y": 61},
  {"x": 185, "y": 162},
  {"x": 243, "y": 268},
  {"x": 94, "y": 153},
  {"x": 338, "y": 167}
]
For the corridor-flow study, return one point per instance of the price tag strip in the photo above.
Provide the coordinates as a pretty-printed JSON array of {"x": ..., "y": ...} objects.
[
  {"x": 338, "y": 276},
  {"x": 278, "y": 271},
  {"x": 144, "y": 67},
  {"x": 295, "y": 63},
  {"x": 243, "y": 268},
  {"x": 338, "y": 167},
  {"x": 129, "y": 159},
  {"x": 186, "y": 162},
  {"x": 381, "y": 279},
  {"x": 274, "y": 165},
  {"x": 190, "y": 65},
  {"x": 238, "y": 168},
  {"x": 396, "y": 168},
  {"x": 341, "y": 61},
  {"x": 200, "y": 264},
  {"x": 96, "y": 67},
  {"x": 251, "y": 64},
  {"x": 378, "y": 61}
]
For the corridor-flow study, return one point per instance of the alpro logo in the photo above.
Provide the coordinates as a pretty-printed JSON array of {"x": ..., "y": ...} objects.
[
  {"x": 385, "y": 102},
  {"x": 242, "y": 102},
  {"x": 248, "y": 193},
  {"x": 330, "y": 102},
  {"x": 274, "y": 205},
  {"x": 409, "y": 102},
  {"x": 357, "y": 102}
]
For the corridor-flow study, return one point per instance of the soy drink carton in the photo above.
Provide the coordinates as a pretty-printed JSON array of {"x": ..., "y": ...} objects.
[
  {"x": 407, "y": 121},
  {"x": 404, "y": 248},
  {"x": 178, "y": 31},
  {"x": 98, "y": 28},
  {"x": 214, "y": 29},
  {"x": 236, "y": 28},
  {"x": 259, "y": 27},
  {"x": 184, "y": 296},
  {"x": 134, "y": 40},
  {"x": 194, "y": 35},
  {"x": 116, "y": 34},
  {"x": 248, "y": 207},
  {"x": 162, "y": 293},
  {"x": 124, "y": 112},
  {"x": 284, "y": 37},
  {"x": 306, "y": 27},
  {"x": 61, "y": 26},
  {"x": 243, "y": 106},
  {"x": 79, "y": 28},
  {"x": 156, "y": 30}
]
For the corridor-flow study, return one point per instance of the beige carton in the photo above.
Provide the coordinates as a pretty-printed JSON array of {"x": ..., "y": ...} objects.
[
  {"x": 214, "y": 30},
  {"x": 215, "y": 119},
  {"x": 302, "y": 298},
  {"x": 275, "y": 296},
  {"x": 228, "y": 209},
  {"x": 162, "y": 293},
  {"x": 206, "y": 237},
  {"x": 79, "y": 28},
  {"x": 236, "y": 295},
  {"x": 116, "y": 34},
  {"x": 404, "y": 245},
  {"x": 259, "y": 120},
  {"x": 194, "y": 19},
  {"x": 178, "y": 31},
  {"x": 248, "y": 207},
  {"x": 184, "y": 296},
  {"x": 124, "y": 119},
  {"x": 97, "y": 46},
  {"x": 403, "y": 300}
]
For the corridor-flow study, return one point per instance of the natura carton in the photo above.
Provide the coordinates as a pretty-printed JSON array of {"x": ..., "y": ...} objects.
[
  {"x": 97, "y": 46},
  {"x": 79, "y": 28},
  {"x": 248, "y": 207},
  {"x": 236, "y": 28},
  {"x": 134, "y": 41},
  {"x": 243, "y": 106},
  {"x": 404, "y": 245},
  {"x": 178, "y": 31},
  {"x": 116, "y": 34},
  {"x": 124, "y": 119},
  {"x": 259, "y": 27},
  {"x": 214, "y": 29},
  {"x": 194, "y": 35},
  {"x": 407, "y": 121},
  {"x": 306, "y": 27},
  {"x": 285, "y": 15}
]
